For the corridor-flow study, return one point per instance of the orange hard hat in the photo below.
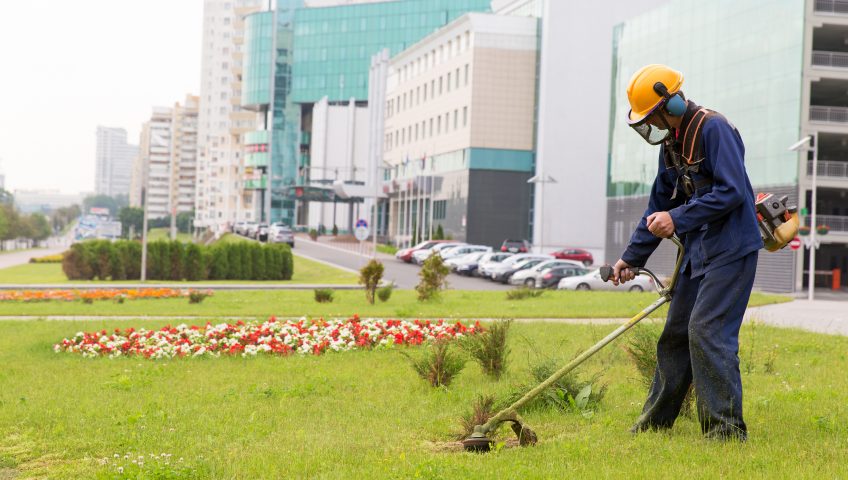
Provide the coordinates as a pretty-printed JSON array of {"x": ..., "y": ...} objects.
[{"x": 642, "y": 95}]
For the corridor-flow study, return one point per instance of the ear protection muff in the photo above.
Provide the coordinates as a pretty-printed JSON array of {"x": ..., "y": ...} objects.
[{"x": 675, "y": 104}]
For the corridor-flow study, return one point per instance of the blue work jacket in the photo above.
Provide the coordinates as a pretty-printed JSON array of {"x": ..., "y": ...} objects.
[{"x": 718, "y": 224}]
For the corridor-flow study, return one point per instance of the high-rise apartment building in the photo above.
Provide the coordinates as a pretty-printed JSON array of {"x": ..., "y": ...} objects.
[
  {"x": 156, "y": 143},
  {"x": 114, "y": 161},
  {"x": 221, "y": 120}
]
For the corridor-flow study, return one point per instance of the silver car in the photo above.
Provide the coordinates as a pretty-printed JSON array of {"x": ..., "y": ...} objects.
[
  {"x": 504, "y": 270},
  {"x": 532, "y": 277},
  {"x": 592, "y": 281},
  {"x": 419, "y": 256},
  {"x": 461, "y": 250}
]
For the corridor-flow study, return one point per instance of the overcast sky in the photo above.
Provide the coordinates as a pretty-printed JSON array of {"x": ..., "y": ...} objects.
[{"x": 68, "y": 66}]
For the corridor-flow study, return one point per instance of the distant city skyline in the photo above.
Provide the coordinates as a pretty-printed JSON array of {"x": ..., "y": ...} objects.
[{"x": 71, "y": 66}]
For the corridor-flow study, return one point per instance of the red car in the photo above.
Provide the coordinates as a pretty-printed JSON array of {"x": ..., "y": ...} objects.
[
  {"x": 577, "y": 254},
  {"x": 405, "y": 254}
]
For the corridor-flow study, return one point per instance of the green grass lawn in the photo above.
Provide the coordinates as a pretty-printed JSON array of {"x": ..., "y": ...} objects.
[
  {"x": 165, "y": 234},
  {"x": 366, "y": 415},
  {"x": 403, "y": 304},
  {"x": 305, "y": 271}
]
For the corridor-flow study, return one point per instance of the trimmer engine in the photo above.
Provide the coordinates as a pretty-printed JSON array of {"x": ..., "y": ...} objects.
[{"x": 778, "y": 223}]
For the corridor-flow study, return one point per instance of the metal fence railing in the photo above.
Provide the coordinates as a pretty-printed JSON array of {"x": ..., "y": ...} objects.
[
  {"x": 830, "y": 59},
  {"x": 837, "y": 224},
  {"x": 839, "y": 7},
  {"x": 827, "y": 168},
  {"x": 828, "y": 114}
]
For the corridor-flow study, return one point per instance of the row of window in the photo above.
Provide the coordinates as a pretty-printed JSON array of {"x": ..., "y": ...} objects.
[
  {"x": 426, "y": 129},
  {"x": 436, "y": 56},
  {"x": 437, "y": 87},
  {"x": 440, "y": 209}
]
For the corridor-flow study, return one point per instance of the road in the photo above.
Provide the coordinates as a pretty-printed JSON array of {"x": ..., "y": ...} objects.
[{"x": 404, "y": 275}]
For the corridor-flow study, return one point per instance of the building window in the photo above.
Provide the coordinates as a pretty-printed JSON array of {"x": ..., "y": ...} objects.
[
  {"x": 439, "y": 125},
  {"x": 466, "y": 74},
  {"x": 416, "y": 132},
  {"x": 457, "y": 78},
  {"x": 431, "y": 127},
  {"x": 464, "y": 116},
  {"x": 433, "y": 88},
  {"x": 418, "y": 96},
  {"x": 456, "y": 119},
  {"x": 425, "y": 92},
  {"x": 440, "y": 208},
  {"x": 449, "y": 81},
  {"x": 440, "y": 85}
]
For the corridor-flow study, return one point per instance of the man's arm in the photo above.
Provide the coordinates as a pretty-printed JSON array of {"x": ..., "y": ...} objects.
[
  {"x": 643, "y": 242},
  {"x": 725, "y": 152}
]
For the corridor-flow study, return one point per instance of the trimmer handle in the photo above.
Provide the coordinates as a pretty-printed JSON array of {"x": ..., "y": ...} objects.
[{"x": 607, "y": 272}]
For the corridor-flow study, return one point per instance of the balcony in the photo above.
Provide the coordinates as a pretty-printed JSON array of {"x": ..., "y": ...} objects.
[
  {"x": 828, "y": 168},
  {"x": 828, "y": 114},
  {"x": 256, "y": 184},
  {"x": 832, "y": 7},
  {"x": 830, "y": 59},
  {"x": 838, "y": 223}
]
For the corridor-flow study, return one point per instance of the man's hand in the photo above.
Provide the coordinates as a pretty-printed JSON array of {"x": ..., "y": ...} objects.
[
  {"x": 621, "y": 273},
  {"x": 660, "y": 224}
]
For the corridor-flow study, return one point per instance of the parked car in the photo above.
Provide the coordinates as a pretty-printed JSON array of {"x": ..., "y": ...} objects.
[
  {"x": 502, "y": 273},
  {"x": 461, "y": 250},
  {"x": 262, "y": 232},
  {"x": 419, "y": 256},
  {"x": 468, "y": 264},
  {"x": 490, "y": 260},
  {"x": 405, "y": 254},
  {"x": 592, "y": 281},
  {"x": 515, "y": 246},
  {"x": 238, "y": 227},
  {"x": 551, "y": 277},
  {"x": 530, "y": 277},
  {"x": 250, "y": 229},
  {"x": 577, "y": 254},
  {"x": 454, "y": 262},
  {"x": 281, "y": 234}
]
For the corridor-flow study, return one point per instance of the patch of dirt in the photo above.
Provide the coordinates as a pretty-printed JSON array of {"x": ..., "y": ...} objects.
[
  {"x": 456, "y": 446},
  {"x": 8, "y": 473}
]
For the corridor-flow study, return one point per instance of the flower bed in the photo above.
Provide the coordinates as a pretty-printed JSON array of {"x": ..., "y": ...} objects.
[
  {"x": 272, "y": 337},
  {"x": 99, "y": 294}
]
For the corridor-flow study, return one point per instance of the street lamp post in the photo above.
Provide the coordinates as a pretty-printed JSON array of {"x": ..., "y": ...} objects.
[
  {"x": 809, "y": 144},
  {"x": 541, "y": 180}
]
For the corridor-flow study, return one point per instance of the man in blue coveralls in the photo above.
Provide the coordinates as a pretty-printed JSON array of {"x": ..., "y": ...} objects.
[{"x": 703, "y": 194}]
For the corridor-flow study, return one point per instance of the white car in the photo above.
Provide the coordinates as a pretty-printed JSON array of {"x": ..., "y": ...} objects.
[
  {"x": 454, "y": 262},
  {"x": 489, "y": 260},
  {"x": 531, "y": 277},
  {"x": 461, "y": 250},
  {"x": 592, "y": 281},
  {"x": 502, "y": 271},
  {"x": 419, "y": 256}
]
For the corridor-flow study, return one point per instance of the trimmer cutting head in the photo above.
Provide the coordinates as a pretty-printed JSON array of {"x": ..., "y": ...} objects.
[{"x": 478, "y": 443}]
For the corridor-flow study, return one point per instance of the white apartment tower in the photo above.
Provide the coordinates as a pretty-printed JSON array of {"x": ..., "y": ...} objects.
[
  {"x": 221, "y": 121},
  {"x": 114, "y": 161}
]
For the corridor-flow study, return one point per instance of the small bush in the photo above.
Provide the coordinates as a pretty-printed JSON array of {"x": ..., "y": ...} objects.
[
  {"x": 385, "y": 293},
  {"x": 196, "y": 296},
  {"x": 313, "y": 234},
  {"x": 194, "y": 265},
  {"x": 87, "y": 300},
  {"x": 335, "y": 231},
  {"x": 370, "y": 277},
  {"x": 438, "y": 365},
  {"x": 433, "y": 276},
  {"x": 522, "y": 293},
  {"x": 489, "y": 348},
  {"x": 568, "y": 394},
  {"x": 481, "y": 411},
  {"x": 323, "y": 295},
  {"x": 76, "y": 263}
]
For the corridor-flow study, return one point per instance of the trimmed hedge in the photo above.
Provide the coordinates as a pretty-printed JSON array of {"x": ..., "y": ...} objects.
[{"x": 177, "y": 261}]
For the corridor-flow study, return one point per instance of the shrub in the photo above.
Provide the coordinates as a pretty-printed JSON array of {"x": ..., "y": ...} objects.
[
  {"x": 481, "y": 411},
  {"x": 385, "y": 293},
  {"x": 335, "y": 230},
  {"x": 194, "y": 266},
  {"x": 234, "y": 256},
  {"x": 433, "y": 276},
  {"x": 257, "y": 259},
  {"x": 117, "y": 269},
  {"x": 102, "y": 266},
  {"x": 196, "y": 296},
  {"x": 489, "y": 348},
  {"x": 522, "y": 293},
  {"x": 642, "y": 350},
  {"x": 219, "y": 268},
  {"x": 176, "y": 269},
  {"x": 438, "y": 365},
  {"x": 287, "y": 261},
  {"x": 440, "y": 233},
  {"x": 323, "y": 295},
  {"x": 568, "y": 394},
  {"x": 246, "y": 254},
  {"x": 76, "y": 263},
  {"x": 370, "y": 277},
  {"x": 313, "y": 234}
]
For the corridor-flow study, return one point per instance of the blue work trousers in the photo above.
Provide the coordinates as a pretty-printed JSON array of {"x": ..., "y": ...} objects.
[{"x": 700, "y": 345}]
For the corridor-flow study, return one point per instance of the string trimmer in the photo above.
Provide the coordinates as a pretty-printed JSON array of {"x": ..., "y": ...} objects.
[{"x": 479, "y": 440}]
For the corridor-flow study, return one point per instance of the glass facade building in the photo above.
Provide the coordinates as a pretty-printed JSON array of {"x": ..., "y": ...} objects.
[
  {"x": 742, "y": 60},
  {"x": 334, "y": 45},
  {"x": 256, "y": 68}
]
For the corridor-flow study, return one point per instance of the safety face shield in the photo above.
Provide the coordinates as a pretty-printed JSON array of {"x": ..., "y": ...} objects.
[{"x": 654, "y": 128}]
